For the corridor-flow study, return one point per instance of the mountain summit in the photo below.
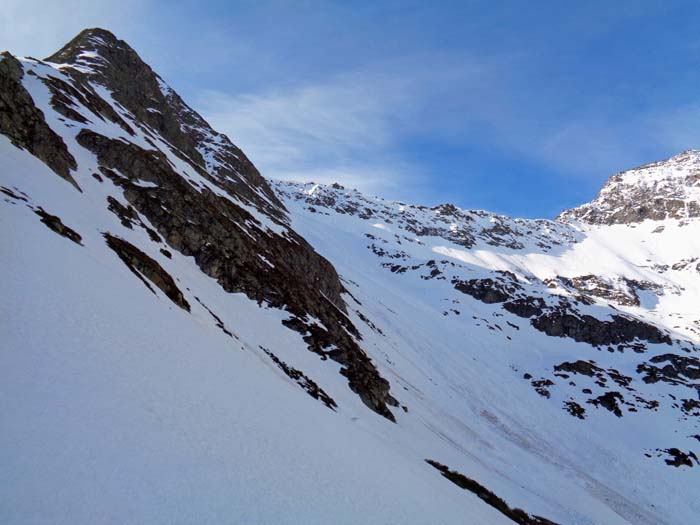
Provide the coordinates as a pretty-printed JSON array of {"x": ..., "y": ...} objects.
[
  {"x": 185, "y": 340},
  {"x": 90, "y": 44},
  {"x": 668, "y": 189}
]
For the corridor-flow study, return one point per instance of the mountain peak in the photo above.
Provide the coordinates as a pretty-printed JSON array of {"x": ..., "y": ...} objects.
[
  {"x": 100, "y": 54},
  {"x": 97, "y": 56},
  {"x": 105, "y": 35},
  {"x": 668, "y": 189},
  {"x": 88, "y": 43}
]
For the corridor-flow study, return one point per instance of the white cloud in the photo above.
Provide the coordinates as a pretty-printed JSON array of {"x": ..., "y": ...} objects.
[
  {"x": 333, "y": 120},
  {"x": 343, "y": 130},
  {"x": 600, "y": 142}
]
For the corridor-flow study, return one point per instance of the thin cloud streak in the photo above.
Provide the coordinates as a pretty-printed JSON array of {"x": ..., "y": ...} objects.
[
  {"x": 353, "y": 128},
  {"x": 332, "y": 133},
  {"x": 349, "y": 129}
]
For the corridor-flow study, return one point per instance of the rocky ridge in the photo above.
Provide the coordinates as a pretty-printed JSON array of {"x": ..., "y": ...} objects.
[{"x": 487, "y": 258}]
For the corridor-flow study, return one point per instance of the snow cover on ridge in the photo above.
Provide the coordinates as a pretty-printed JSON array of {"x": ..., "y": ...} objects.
[{"x": 405, "y": 264}]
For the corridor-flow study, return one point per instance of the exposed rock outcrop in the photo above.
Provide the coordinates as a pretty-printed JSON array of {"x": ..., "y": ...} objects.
[
  {"x": 560, "y": 322},
  {"x": 307, "y": 384},
  {"x": 145, "y": 267},
  {"x": 231, "y": 222},
  {"x": 557, "y": 316},
  {"x": 236, "y": 228},
  {"x": 517, "y": 515},
  {"x": 56, "y": 224},
  {"x": 672, "y": 368},
  {"x": 24, "y": 124},
  {"x": 232, "y": 246}
]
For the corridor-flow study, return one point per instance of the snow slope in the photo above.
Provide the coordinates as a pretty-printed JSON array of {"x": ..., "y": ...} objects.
[{"x": 119, "y": 404}]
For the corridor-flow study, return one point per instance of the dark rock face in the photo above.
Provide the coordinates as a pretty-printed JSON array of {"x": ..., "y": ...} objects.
[
  {"x": 604, "y": 379},
  {"x": 24, "y": 124},
  {"x": 590, "y": 369},
  {"x": 610, "y": 401},
  {"x": 672, "y": 368},
  {"x": 541, "y": 386},
  {"x": 144, "y": 267},
  {"x": 576, "y": 410},
  {"x": 561, "y": 319},
  {"x": 517, "y": 515},
  {"x": 525, "y": 306},
  {"x": 55, "y": 224},
  {"x": 691, "y": 407},
  {"x": 127, "y": 215},
  {"x": 678, "y": 458},
  {"x": 579, "y": 367},
  {"x": 208, "y": 227},
  {"x": 64, "y": 97},
  {"x": 308, "y": 385},
  {"x": 362, "y": 376},
  {"x": 19, "y": 196},
  {"x": 230, "y": 245},
  {"x": 588, "y": 329},
  {"x": 488, "y": 290},
  {"x": 485, "y": 290}
]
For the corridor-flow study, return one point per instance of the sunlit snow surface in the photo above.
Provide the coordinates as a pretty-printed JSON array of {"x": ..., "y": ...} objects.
[{"x": 118, "y": 406}]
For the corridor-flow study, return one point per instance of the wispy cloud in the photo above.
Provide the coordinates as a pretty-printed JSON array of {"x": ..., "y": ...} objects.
[
  {"x": 353, "y": 128},
  {"x": 346, "y": 129},
  {"x": 339, "y": 131},
  {"x": 598, "y": 141}
]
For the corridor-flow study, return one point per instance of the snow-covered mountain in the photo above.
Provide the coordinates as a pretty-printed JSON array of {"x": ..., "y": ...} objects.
[{"x": 185, "y": 341}]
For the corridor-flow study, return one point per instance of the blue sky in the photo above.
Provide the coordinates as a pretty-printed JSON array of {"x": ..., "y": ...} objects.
[{"x": 522, "y": 108}]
